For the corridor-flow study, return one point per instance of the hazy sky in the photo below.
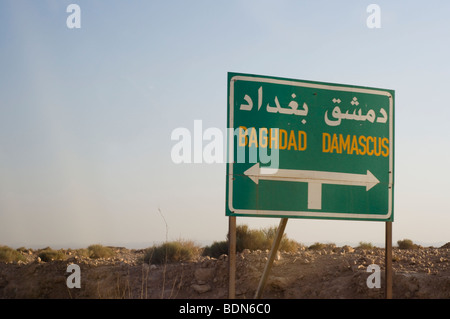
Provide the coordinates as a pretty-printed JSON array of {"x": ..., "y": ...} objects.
[{"x": 86, "y": 114}]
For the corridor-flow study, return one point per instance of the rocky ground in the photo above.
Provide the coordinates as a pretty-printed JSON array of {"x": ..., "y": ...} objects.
[{"x": 331, "y": 272}]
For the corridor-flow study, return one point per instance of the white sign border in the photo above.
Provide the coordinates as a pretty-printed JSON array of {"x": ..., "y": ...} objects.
[{"x": 311, "y": 214}]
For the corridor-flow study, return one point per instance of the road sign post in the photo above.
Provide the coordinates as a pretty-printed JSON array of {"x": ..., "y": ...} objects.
[
  {"x": 388, "y": 262},
  {"x": 273, "y": 252},
  {"x": 231, "y": 257}
]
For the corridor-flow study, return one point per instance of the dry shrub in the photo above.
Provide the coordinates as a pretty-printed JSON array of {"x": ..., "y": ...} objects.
[
  {"x": 8, "y": 254},
  {"x": 365, "y": 245},
  {"x": 48, "y": 254},
  {"x": 406, "y": 244},
  {"x": 252, "y": 239},
  {"x": 317, "y": 246},
  {"x": 174, "y": 251},
  {"x": 217, "y": 249},
  {"x": 98, "y": 251}
]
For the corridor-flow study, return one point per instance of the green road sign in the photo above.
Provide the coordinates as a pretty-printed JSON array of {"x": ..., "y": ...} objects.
[{"x": 303, "y": 149}]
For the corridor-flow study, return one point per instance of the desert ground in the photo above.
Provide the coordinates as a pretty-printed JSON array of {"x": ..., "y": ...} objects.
[{"x": 327, "y": 273}]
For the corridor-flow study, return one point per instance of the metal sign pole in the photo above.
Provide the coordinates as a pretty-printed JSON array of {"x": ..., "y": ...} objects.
[
  {"x": 388, "y": 261},
  {"x": 232, "y": 257},
  {"x": 273, "y": 252}
]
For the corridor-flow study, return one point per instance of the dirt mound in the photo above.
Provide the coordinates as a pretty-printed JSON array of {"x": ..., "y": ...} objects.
[{"x": 332, "y": 272}]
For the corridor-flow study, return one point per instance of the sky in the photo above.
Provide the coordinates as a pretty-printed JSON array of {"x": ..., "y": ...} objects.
[{"x": 86, "y": 114}]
